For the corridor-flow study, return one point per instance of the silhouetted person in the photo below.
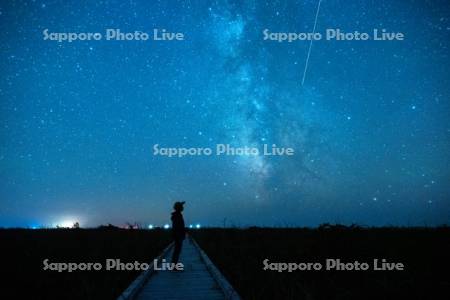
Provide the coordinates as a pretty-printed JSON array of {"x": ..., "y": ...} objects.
[{"x": 178, "y": 230}]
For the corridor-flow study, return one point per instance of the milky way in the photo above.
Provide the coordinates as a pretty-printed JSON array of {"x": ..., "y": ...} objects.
[{"x": 370, "y": 125}]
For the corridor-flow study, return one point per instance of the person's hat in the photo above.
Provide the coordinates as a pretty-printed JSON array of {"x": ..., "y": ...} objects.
[{"x": 178, "y": 205}]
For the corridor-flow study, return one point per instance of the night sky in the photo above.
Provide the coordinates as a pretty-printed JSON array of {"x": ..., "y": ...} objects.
[{"x": 370, "y": 125}]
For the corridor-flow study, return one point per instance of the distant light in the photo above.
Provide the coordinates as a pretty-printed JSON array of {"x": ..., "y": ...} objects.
[
  {"x": 65, "y": 224},
  {"x": 150, "y": 226},
  {"x": 191, "y": 226},
  {"x": 34, "y": 227},
  {"x": 197, "y": 226},
  {"x": 166, "y": 226}
]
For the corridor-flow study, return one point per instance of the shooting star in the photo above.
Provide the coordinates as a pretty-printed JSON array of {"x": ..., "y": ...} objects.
[{"x": 310, "y": 43}]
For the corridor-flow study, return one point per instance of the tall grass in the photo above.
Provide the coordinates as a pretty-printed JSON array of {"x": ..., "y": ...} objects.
[
  {"x": 24, "y": 252},
  {"x": 239, "y": 254}
]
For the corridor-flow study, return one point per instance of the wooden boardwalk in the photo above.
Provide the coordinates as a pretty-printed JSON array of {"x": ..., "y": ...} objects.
[{"x": 199, "y": 280}]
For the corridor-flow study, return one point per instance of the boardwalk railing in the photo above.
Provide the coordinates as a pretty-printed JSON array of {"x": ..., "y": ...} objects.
[
  {"x": 133, "y": 289},
  {"x": 223, "y": 283}
]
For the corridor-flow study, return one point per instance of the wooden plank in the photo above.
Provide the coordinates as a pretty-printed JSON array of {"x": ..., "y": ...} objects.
[
  {"x": 199, "y": 280},
  {"x": 229, "y": 292},
  {"x": 195, "y": 282},
  {"x": 134, "y": 288}
]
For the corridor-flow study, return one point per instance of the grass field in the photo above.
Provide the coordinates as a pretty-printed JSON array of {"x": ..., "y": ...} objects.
[
  {"x": 239, "y": 254},
  {"x": 24, "y": 252}
]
